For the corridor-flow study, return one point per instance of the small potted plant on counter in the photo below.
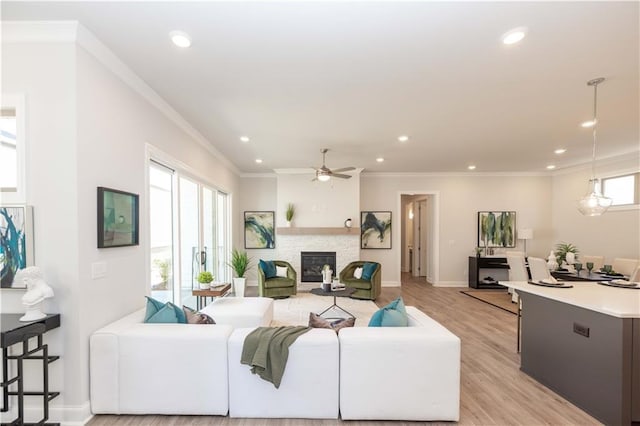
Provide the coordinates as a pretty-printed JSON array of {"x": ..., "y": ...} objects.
[{"x": 205, "y": 278}]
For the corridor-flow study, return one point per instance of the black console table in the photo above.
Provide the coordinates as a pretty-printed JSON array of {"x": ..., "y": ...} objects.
[
  {"x": 476, "y": 264},
  {"x": 13, "y": 332}
]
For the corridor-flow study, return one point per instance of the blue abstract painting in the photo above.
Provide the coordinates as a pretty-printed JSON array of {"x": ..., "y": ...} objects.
[
  {"x": 15, "y": 242},
  {"x": 259, "y": 230}
]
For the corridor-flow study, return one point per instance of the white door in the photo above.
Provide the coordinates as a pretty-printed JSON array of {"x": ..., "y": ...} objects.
[{"x": 420, "y": 238}]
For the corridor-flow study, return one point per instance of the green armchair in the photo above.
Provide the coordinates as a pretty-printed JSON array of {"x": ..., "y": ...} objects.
[
  {"x": 365, "y": 289},
  {"x": 278, "y": 287}
]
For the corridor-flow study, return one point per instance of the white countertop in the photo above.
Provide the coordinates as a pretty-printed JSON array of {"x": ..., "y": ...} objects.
[{"x": 614, "y": 301}]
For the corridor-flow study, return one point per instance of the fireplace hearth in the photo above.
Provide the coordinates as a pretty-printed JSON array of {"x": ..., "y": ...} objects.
[{"x": 312, "y": 263}]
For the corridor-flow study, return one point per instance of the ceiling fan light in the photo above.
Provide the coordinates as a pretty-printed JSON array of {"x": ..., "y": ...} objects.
[{"x": 323, "y": 177}]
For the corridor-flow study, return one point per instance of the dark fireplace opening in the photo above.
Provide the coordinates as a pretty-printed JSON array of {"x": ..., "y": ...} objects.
[{"x": 312, "y": 263}]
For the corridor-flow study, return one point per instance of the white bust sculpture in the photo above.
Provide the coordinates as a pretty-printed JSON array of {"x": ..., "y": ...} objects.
[{"x": 37, "y": 291}]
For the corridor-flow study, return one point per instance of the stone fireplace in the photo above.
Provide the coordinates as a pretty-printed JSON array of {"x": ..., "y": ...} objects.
[{"x": 312, "y": 262}]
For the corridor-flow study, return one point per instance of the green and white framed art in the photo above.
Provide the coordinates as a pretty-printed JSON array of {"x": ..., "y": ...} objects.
[{"x": 497, "y": 229}]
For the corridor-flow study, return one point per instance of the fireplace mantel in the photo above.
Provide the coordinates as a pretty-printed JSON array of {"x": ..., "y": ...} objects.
[{"x": 317, "y": 231}]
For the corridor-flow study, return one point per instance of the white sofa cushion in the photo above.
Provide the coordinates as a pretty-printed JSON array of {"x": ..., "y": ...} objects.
[
  {"x": 241, "y": 312},
  {"x": 400, "y": 373},
  {"x": 309, "y": 387},
  {"x": 138, "y": 368}
]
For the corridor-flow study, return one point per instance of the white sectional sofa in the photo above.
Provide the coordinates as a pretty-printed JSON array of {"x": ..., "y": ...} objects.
[
  {"x": 309, "y": 387},
  {"x": 400, "y": 373},
  {"x": 138, "y": 368}
]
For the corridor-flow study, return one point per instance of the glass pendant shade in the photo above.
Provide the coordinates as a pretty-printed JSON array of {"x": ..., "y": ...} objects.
[{"x": 594, "y": 203}]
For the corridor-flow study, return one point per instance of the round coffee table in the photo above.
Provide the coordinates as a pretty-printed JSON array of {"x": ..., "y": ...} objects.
[{"x": 348, "y": 291}]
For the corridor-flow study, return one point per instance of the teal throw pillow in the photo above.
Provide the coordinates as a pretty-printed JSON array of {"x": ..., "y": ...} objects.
[
  {"x": 182, "y": 317},
  {"x": 392, "y": 315},
  {"x": 368, "y": 269},
  {"x": 153, "y": 306},
  {"x": 166, "y": 315},
  {"x": 269, "y": 268}
]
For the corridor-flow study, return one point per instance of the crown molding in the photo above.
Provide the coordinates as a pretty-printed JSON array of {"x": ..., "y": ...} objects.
[
  {"x": 258, "y": 175},
  {"x": 450, "y": 174},
  {"x": 39, "y": 31},
  {"x": 74, "y": 32},
  {"x": 611, "y": 160}
]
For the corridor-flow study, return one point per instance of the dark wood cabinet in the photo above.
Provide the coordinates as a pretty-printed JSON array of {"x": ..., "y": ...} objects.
[{"x": 481, "y": 268}]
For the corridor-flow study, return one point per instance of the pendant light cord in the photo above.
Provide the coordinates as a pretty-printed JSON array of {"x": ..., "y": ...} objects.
[{"x": 595, "y": 126}]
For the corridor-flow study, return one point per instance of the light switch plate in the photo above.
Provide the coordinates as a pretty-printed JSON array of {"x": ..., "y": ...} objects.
[{"x": 98, "y": 270}]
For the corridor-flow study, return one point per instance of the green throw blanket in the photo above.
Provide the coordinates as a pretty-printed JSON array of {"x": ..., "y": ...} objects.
[{"x": 266, "y": 350}]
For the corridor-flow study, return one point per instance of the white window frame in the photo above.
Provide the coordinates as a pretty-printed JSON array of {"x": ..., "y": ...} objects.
[
  {"x": 624, "y": 207},
  {"x": 181, "y": 170},
  {"x": 17, "y": 102}
]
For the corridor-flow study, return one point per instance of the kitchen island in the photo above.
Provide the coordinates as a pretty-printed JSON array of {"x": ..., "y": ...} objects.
[{"x": 584, "y": 343}]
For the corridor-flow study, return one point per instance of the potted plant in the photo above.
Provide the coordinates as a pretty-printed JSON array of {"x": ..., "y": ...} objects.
[
  {"x": 291, "y": 209},
  {"x": 562, "y": 250},
  {"x": 163, "y": 266},
  {"x": 240, "y": 263},
  {"x": 205, "y": 278}
]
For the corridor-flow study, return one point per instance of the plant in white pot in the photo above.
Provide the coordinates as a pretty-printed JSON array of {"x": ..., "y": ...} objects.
[
  {"x": 291, "y": 210},
  {"x": 240, "y": 263},
  {"x": 205, "y": 278}
]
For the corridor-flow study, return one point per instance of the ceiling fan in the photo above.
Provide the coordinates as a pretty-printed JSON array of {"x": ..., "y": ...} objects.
[{"x": 324, "y": 173}]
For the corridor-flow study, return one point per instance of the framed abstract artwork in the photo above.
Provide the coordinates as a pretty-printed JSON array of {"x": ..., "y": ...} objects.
[
  {"x": 375, "y": 231},
  {"x": 118, "y": 218},
  {"x": 497, "y": 229},
  {"x": 16, "y": 242},
  {"x": 259, "y": 230}
]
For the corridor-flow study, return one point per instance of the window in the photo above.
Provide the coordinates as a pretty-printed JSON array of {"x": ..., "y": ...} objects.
[
  {"x": 193, "y": 239},
  {"x": 12, "y": 149},
  {"x": 623, "y": 190}
]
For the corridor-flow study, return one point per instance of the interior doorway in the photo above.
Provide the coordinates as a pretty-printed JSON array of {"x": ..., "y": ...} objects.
[{"x": 419, "y": 241}]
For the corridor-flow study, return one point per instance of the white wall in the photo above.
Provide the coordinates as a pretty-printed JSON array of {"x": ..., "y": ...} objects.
[
  {"x": 87, "y": 128},
  {"x": 318, "y": 204},
  {"x": 614, "y": 234},
  {"x": 460, "y": 198}
]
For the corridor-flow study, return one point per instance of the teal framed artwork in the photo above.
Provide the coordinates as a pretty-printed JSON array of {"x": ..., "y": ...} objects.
[
  {"x": 16, "y": 242},
  {"x": 118, "y": 218},
  {"x": 259, "y": 230},
  {"x": 497, "y": 229}
]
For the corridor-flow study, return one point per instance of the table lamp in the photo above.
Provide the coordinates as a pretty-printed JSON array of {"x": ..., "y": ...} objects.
[{"x": 525, "y": 234}]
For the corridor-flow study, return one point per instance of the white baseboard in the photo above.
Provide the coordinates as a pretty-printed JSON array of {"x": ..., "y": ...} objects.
[
  {"x": 65, "y": 415},
  {"x": 391, "y": 284},
  {"x": 452, "y": 284}
]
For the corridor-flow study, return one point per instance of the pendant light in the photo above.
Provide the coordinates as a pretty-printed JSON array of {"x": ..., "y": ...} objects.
[{"x": 594, "y": 203}]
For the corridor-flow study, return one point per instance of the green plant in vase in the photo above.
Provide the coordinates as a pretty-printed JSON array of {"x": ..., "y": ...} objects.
[
  {"x": 205, "y": 278},
  {"x": 291, "y": 210},
  {"x": 240, "y": 263},
  {"x": 562, "y": 249}
]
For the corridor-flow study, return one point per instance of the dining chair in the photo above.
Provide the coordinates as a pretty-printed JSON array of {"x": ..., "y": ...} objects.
[
  {"x": 625, "y": 267},
  {"x": 598, "y": 261},
  {"x": 517, "y": 272},
  {"x": 514, "y": 253},
  {"x": 538, "y": 268}
]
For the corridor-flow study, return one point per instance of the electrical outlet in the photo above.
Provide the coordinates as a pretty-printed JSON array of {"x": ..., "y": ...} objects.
[{"x": 98, "y": 270}]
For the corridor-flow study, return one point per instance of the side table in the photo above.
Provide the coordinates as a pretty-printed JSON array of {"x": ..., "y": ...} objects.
[
  {"x": 12, "y": 332},
  {"x": 201, "y": 295},
  {"x": 348, "y": 291}
]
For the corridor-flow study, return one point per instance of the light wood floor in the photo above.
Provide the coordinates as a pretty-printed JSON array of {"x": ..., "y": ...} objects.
[{"x": 493, "y": 390}]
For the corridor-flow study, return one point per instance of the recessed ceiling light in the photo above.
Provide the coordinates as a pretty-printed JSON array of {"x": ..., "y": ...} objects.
[
  {"x": 471, "y": 167},
  {"x": 244, "y": 138},
  {"x": 403, "y": 138},
  {"x": 259, "y": 160},
  {"x": 515, "y": 35},
  {"x": 560, "y": 151},
  {"x": 180, "y": 38},
  {"x": 589, "y": 123},
  {"x": 551, "y": 167},
  {"x": 379, "y": 159}
]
